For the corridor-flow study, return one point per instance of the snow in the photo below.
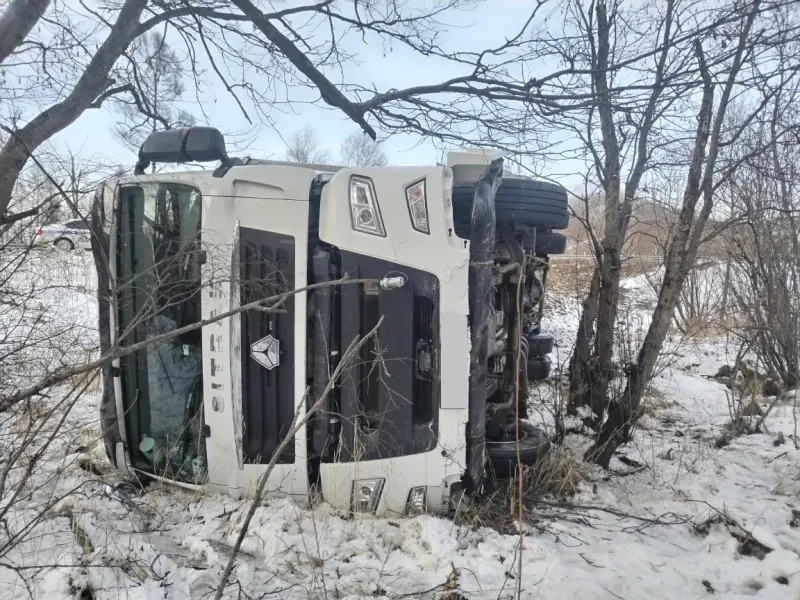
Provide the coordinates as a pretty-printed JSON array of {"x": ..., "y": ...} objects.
[{"x": 670, "y": 529}]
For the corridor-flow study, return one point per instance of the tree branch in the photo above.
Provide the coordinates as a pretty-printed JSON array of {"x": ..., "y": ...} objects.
[
  {"x": 329, "y": 92},
  {"x": 17, "y": 21},
  {"x": 8, "y": 219},
  {"x": 113, "y": 91},
  {"x": 64, "y": 374}
]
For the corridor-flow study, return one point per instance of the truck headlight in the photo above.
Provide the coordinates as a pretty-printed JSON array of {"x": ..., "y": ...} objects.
[
  {"x": 417, "y": 503},
  {"x": 366, "y": 494},
  {"x": 417, "y": 201},
  {"x": 364, "y": 212}
]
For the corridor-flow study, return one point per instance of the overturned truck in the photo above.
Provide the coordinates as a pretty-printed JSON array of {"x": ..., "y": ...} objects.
[{"x": 452, "y": 258}]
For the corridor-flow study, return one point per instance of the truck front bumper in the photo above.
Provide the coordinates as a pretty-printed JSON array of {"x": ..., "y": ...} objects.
[{"x": 384, "y": 487}]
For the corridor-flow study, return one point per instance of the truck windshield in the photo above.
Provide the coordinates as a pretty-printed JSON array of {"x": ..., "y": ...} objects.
[{"x": 159, "y": 292}]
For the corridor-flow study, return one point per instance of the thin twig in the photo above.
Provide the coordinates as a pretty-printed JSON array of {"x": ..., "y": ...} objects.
[{"x": 353, "y": 349}]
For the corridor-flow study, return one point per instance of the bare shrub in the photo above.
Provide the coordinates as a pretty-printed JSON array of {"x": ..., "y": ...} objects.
[
  {"x": 765, "y": 260},
  {"x": 303, "y": 146},
  {"x": 701, "y": 307},
  {"x": 557, "y": 475},
  {"x": 555, "y": 478}
]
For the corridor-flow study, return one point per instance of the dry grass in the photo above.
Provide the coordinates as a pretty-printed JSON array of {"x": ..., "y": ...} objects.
[
  {"x": 570, "y": 276},
  {"x": 655, "y": 402},
  {"x": 707, "y": 329},
  {"x": 557, "y": 476}
]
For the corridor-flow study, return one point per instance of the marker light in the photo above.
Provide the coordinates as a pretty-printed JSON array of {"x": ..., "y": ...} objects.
[
  {"x": 418, "y": 206},
  {"x": 366, "y": 494}
]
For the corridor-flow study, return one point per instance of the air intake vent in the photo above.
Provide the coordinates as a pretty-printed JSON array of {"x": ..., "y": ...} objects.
[{"x": 267, "y": 269}]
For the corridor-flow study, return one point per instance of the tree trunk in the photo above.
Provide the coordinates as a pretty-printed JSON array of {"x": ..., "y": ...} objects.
[
  {"x": 17, "y": 21},
  {"x": 602, "y": 366},
  {"x": 679, "y": 260},
  {"x": 596, "y": 370},
  {"x": 95, "y": 79},
  {"x": 622, "y": 414},
  {"x": 726, "y": 284},
  {"x": 579, "y": 380}
]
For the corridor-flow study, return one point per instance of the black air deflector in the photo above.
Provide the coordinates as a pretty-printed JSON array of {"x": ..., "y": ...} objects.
[
  {"x": 188, "y": 144},
  {"x": 201, "y": 144},
  {"x": 267, "y": 263},
  {"x": 322, "y": 355},
  {"x": 389, "y": 408}
]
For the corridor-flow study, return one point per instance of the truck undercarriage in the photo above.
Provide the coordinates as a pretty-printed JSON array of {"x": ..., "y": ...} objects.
[{"x": 451, "y": 260}]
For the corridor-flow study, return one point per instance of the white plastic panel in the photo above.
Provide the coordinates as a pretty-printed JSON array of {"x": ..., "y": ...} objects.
[{"x": 446, "y": 256}]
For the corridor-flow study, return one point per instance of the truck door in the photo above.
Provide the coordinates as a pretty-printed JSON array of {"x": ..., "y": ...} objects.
[
  {"x": 256, "y": 360},
  {"x": 157, "y": 291}
]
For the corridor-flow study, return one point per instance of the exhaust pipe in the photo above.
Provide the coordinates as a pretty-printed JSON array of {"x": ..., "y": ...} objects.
[{"x": 481, "y": 251}]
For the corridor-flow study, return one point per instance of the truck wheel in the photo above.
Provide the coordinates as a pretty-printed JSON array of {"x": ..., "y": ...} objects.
[
  {"x": 539, "y": 344},
  {"x": 548, "y": 243},
  {"x": 502, "y": 454},
  {"x": 538, "y": 368},
  {"x": 538, "y": 203}
]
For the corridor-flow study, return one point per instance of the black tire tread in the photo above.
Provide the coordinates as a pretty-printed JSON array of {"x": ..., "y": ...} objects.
[
  {"x": 529, "y": 201},
  {"x": 538, "y": 368},
  {"x": 539, "y": 344},
  {"x": 503, "y": 454},
  {"x": 549, "y": 242}
]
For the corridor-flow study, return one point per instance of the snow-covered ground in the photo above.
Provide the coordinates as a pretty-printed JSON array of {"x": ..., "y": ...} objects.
[{"x": 692, "y": 521}]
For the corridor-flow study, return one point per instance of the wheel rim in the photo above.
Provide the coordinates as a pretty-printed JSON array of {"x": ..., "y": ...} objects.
[
  {"x": 63, "y": 245},
  {"x": 523, "y": 436}
]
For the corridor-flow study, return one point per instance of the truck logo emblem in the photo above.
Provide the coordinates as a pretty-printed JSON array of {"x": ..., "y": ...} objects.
[{"x": 266, "y": 352}]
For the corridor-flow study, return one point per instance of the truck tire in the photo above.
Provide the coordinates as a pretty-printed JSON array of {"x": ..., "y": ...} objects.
[
  {"x": 519, "y": 200},
  {"x": 502, "y": 454},
  {"x": 538, "y": 368},
  {"x": 548, "y": 243},
  {"x": 539, "y": 344}
]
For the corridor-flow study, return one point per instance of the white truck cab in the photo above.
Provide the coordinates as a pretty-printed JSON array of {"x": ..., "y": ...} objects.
[{"x": 424, "y": 409}]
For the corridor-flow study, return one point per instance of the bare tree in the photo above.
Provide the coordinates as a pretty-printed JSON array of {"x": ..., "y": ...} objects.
[
  {"x": 625, "y": 123},
  {"x": 704, "y": 177},
  {"x": 304, "y": 147},
  {"x": 358, "y": 150},
  {"x": 271, "y": 52},
  {"x": 92, "y": 86},
  {"x": 157, "y": 74}
]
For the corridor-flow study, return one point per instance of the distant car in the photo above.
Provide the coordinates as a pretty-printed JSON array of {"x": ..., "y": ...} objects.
[{"x": 65, "y": 236}]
